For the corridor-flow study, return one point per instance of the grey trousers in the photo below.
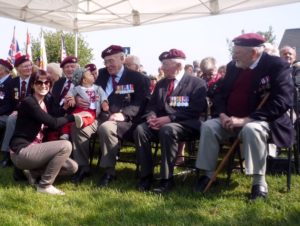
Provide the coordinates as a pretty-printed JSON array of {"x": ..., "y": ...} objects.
[
  {"x": 254, "y": 146},
  {"x": 9, "y": 131},
  {"x": 80, "y": 139},
  {"x": 109, "y": 144},
  {"x": 50, "y": 158},
  {"x": 168, "y": 136}
]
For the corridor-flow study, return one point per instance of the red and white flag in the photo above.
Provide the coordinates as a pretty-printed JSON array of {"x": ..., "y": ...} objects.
[{"x": 28, "y": 46}]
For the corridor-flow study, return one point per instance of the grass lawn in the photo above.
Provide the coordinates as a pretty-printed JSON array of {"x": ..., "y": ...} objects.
[{"x": 121, "y": 204}]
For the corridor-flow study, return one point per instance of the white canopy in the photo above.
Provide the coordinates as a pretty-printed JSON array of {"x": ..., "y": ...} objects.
[{"x": 91, "y": 15}]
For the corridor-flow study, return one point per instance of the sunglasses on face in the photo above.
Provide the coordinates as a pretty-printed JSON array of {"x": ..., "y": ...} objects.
[{"x": 40, "y": 83}]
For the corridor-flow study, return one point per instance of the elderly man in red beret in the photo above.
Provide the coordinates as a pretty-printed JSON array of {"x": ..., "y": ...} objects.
[
  {"x": 172, "y": 116},
  {"x": 19, "y": 87},
  {"x": 127, "y": 94},
  {"x": 249, "y": 77}
]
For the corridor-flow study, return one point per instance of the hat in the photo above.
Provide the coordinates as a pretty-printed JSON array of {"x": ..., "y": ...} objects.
[
  {"x": 113, "y": 49},
  {"x": 91, "y": 67},
  {"x": 6, "y": 64},
  {"x": 249, "y": 39},
  {"x": 21, "y": 60},
  {"x": 172, "y": 54},
  {"x": 67, "y": 60}
]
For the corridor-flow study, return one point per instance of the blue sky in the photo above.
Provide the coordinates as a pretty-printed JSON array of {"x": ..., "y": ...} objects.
[{"x": 198, "y": 38}]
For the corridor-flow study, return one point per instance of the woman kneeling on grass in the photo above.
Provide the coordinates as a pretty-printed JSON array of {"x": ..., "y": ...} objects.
[{"x": 37, "y": 159}]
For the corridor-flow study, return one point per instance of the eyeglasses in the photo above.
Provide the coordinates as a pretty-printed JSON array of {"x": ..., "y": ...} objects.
[{"x": 40, "y": 83}]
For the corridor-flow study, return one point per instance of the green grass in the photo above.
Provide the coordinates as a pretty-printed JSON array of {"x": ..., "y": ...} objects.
[{"x": 121, "y": 204}]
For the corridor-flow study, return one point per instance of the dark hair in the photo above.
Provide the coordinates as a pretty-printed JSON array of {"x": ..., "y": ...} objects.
[{"x": 36, "y": 76}]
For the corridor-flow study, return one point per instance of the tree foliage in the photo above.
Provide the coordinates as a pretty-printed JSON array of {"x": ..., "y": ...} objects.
[
  {"x": 53, "y": 47},
  {"x": 268, "y": 35}
]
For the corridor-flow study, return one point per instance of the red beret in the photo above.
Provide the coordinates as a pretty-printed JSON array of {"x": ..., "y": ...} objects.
[
  {"x": 113, "y": 49},
  {"x": 6, "y": 64},
  {"x": 249, "y": 39},
  {"x": 172, "y": 54},
  {"x": 91, "y": 67},
  {"x": 67, "y": 60},
  {"x": 21, "y": 60}
]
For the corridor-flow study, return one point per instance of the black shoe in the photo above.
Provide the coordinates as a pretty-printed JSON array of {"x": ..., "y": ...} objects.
[
  {"x": 258, "y": 191},
  {"x": 106, "y": 179},
  {"x": 6, "y": 162},
  {"x": 165, "y": 186},
  {"x": 80, "y": 175},
  {"x": 145, "y": 183},
  {"x": 202, "y": 183},
  {"x": 19, "y": 175}
]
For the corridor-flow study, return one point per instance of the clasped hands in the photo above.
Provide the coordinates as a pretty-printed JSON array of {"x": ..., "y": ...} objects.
[
  {"x": 157, "y": 122},
  {"x": 232, "y": 122}
]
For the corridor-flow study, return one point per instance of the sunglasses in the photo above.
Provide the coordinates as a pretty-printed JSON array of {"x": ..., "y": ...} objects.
[{"x": 40, "y": 83}]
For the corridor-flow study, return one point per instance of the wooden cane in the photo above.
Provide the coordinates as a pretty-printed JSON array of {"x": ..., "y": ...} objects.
[{"x": 230, "y": 151}]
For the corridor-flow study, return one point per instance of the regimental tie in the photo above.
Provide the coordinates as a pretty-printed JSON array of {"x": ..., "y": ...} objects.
[
  {"x": 23, "y": 89},
  {"x": 66, "y": 89},
  {"x": 114, "y": 82},
  {"x": 170, "y": 87}
]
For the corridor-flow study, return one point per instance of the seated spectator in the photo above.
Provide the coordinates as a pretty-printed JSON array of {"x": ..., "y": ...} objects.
[
  {"x": 188, "y": 68},
  {"x": 171, "y": 116},
  {"x": 133, "y": 63},
  {"x": 91, "y": 93},
  {"x": 54, "y": 71},
  {"x": 250, "y": 76},
  {"x": 153, "y": 81},
  {"x": 288, "y": 53},
  {"x": 42, "y": 161},
  {"x": 209, "y": 70}
]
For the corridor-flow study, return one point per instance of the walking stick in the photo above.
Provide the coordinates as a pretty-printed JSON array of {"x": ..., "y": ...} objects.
[{"x": 230, "y": 151}]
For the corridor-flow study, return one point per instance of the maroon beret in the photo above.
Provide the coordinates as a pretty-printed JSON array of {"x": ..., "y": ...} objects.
[
  {"x": 113, "y": 49},
  {"x": 21, "y": 60},
  {"x": 91, "y": 67},
  {"x": 172, "y": 54},
  {"x": 6, "y": 64},
  {"x": 67, "y": 60},
  {"x": 249, "y": 39}
]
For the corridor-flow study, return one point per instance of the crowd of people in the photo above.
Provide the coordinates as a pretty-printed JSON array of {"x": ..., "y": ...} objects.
[{"x": 48, "y": 117}]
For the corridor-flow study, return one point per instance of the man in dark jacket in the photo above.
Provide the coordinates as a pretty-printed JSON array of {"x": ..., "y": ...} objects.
[
  {"x": 249, "y": 77},
  {"x": 127, "y": 92},
  {"x": 172, "y": 116}
]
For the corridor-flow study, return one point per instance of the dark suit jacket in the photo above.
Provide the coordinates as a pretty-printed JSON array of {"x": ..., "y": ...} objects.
[
  {"x": 189, "y": 86},
  {"x": 15, "y": 92},
  {"x": 5, "y": 106},
  {"x": 29, "y": 121},
  {"x": 272, "y": 75},
  {"x": 131, "y": 104}
]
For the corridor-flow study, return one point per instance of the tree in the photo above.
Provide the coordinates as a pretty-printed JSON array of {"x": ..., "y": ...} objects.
[
  {"x": 53, "y": 47},
  {"x": 268, "y": 35}
]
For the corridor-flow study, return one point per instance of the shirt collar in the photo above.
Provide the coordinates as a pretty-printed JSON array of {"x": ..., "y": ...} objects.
[
  {"x": 255, "y": 63},
  {"x": 4, "y": 78}
]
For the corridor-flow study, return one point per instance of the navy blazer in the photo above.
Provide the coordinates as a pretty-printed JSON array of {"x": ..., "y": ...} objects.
[
  {"x": 15, "y": 92},
  {"x": 29, "y": 121},
  {"x": 130, "y": 104},
  {"x": 190, "y": 87},
  {"x": 5, "y": 105},
  {"x": 272, "y": 75}
]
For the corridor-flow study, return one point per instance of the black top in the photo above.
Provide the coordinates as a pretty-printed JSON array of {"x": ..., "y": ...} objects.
[{"x": 29, "y": 121}]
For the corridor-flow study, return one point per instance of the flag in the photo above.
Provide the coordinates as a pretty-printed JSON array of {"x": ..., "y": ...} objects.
[
  {"x": 63, "y": 49},
  {"x": 28, "y": 46},
  {"x": 14, "y": 50},
  {"x": 43, "y": 55}
]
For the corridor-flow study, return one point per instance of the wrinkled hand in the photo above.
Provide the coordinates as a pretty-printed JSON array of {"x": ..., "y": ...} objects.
[
  {"x": 14, "y": 113},
  {"x": 80, "y": 102},
  {"x": 233, "y": 122},
  {"x": 83, "y": 114},
  {"x": 105, "y": 106},
  {"x": 70, "y": 101},
  {"x": 156, "y": 123},
  {"x": 116, "y": 117}
]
